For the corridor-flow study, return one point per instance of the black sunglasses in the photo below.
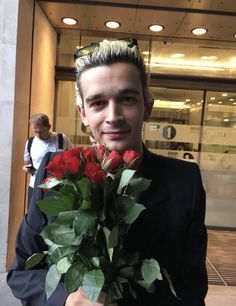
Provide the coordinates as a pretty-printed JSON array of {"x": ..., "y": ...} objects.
[{"x": 84, "y": 51}]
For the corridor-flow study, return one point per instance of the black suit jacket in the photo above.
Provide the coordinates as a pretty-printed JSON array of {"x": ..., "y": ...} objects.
[{"x": 171, "y": 230}]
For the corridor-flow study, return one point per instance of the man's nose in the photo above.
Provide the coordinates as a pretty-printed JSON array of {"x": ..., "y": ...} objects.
[{"x": 114, "y": 112}]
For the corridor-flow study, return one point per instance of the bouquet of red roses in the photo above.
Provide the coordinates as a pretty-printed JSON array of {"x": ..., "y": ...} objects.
[{"x": 91, "y": 194}]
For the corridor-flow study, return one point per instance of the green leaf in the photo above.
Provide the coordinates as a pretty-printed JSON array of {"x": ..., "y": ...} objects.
[
  {"x": 66, "y": 217},
  {"x": 125, "y": 178},
  {"x": 110, "y": 253},
  {"x": 151, "y": 270},
  {"x": 52, "y": 279},
  {"x": 52, "y": 247},
  {"x": 107, "y": 233},
  {"x": 137, "y": 185},
  {"x": 54, "y": 203},
  {"x": 133, "y": 213},
  {"x": 127, "y": 272},
  {"x": 113, "y": 238},
  {"x": 86, "y": 204},
  {"x": 123, "y": 204},
  {"x": 167, "y": 276},
  {"x": 95, "y": 262},
  {"x": 74, "y": 276},
  {"x": 85, "y": 222},
  {"x": 33, "y": 260},
  {"x": 93, "y": 282},
  {"x": 63, "y": 265},
  {"x": 62, "y": 235},
  {"x": 61, "y": 252},
  {"x": 52, "y": 183},
  {"x": 86, "y": 187},
  {"x": 149, "y": 287}
]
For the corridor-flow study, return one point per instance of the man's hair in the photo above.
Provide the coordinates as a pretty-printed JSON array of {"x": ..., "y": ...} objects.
[
  {"x": 40, "y": 119},
  {"x": 106, "y": 53}
]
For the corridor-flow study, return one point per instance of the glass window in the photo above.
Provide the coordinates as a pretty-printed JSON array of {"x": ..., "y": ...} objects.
[
  {"x": 195, "y": 125},
  {"x": 218, "y": 158},
  {"x": 174, "y": 126}
]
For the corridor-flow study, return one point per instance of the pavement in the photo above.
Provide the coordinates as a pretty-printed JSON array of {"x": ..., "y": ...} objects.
[{"x": 217, "y": 295}]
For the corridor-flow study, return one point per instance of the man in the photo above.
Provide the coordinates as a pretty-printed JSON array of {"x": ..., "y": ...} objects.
[
  {"x": 113, "y": 100},
  {"x": 43, "y": 142}
]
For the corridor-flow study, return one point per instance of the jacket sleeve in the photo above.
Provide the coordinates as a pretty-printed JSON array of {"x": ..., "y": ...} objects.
[
  {"x": 28, "y": 286},
  {"x": 192, "y": 283}
]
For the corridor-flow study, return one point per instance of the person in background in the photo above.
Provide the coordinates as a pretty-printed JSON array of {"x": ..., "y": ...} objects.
[
  {"x": 36, "y": 147},
  {"x": 113, "y": 101}
]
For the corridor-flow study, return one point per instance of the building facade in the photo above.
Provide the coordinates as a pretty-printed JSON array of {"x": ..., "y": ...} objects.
[{"x": 192, "y": 80}]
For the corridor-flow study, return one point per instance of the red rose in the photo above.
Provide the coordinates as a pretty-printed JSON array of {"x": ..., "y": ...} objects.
[
  {"x": 131, "y": 159},
  {"x": 94, "y": 172},
  {"x": 69, "y": 161},
  {"x": 113, "y": 161},
  {"x": 56, "y": 166},
  {"x": 101, "y": 151},
  {"x": 72, "y": 161},
  {"x": 89, "y": 154}
]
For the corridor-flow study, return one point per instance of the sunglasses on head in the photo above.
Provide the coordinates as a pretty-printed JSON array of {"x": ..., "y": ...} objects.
[{"x": 84, "y": 51}]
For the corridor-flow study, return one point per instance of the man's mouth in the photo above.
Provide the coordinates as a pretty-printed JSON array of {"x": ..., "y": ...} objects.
[{"x": 115, "y": 134}]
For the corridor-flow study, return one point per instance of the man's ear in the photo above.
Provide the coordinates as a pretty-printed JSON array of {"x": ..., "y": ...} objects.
[
  {"x": 82, "y": 115},
  {"x": 148, "y": 105}
]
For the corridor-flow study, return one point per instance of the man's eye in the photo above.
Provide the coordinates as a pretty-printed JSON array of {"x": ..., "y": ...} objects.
[
  {"x": 96, "y": 104},
  {"x": 128, "y": 99}
]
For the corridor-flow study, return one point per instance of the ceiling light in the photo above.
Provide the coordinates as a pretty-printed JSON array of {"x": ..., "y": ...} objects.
[
  {"x": 211, "y": 57},
  {"x": 231, "y": 99},
  {"x": 112, "y": 24},
  {"x": 177, "y": 55},
  {"x": 170, "y": 104},
  {"x": 234, "y": 103},
  {"x": 187, "y": 100},
  {"x": 226, "y": 119},
  {"x": 234, "y": 35},
  {"x": 224, "y": 95},
  {"x": 69, "y": 20},
  {"x": 156, "y": 28},
  {"x": 193, "y": 65},
  {"x": 198, "y": 103},
  {"x": 145, "y": 52},
  {"x": 220, "y": 102},
  {"x": 199, "y": 31},
  {"x": 212, "y": 98}
]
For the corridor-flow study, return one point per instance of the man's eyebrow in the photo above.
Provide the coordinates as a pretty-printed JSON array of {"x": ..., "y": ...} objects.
[
  {"x": 93, "y": 97},
  {"x": 128, "y": 91},
  {"x": 120, "y": 92}
]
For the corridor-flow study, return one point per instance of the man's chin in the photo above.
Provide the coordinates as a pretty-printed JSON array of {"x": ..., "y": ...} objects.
[{"x": 118, "y": 146}]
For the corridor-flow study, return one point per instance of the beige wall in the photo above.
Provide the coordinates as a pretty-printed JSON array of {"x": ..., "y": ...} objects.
[
  {"x": 43, "y": 70},
  {"x": 34, "y": 92},
  {"x": 8, "y": 26}
]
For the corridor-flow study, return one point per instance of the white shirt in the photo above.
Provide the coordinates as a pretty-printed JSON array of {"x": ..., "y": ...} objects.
[{"x": 40, "y": 147}]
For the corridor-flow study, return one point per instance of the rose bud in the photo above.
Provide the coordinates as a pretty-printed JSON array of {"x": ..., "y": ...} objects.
[
  {"x": 131, "y": 159},
  {"x": 113, "y": 161}
]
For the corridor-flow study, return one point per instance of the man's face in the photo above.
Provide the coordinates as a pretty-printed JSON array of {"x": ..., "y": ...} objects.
[
  {"x": 42, "y": 132},
  {"x": 114, "y": 106}
]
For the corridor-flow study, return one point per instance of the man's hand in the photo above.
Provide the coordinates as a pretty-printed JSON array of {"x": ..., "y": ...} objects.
[
  {"x": 28, "y": 168},
  {"x": 78, "y": 298}
]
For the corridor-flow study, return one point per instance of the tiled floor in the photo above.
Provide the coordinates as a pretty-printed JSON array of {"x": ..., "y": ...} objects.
[
  {"x": 221, "y": 296},
  {"x": 221, "y": 257}
]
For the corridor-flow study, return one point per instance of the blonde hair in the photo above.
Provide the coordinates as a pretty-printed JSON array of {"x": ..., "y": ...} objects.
[{"x": 109, "y": 52}]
